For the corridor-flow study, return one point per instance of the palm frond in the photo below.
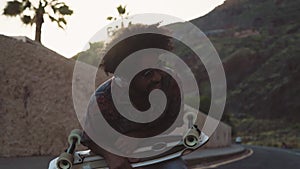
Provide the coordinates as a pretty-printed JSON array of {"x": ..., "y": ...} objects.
[
  {"x": 65, "y": 10},
  {"x": 121, "y": 9},
  {"x": 13, "y": 8},
  {"x": 26, "y": 19}
]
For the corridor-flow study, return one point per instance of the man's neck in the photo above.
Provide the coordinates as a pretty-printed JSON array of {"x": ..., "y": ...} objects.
[{"x": 140, "y": 100}]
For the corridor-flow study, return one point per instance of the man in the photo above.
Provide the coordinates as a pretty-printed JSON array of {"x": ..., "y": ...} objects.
[{"x": 140, "y": 87}]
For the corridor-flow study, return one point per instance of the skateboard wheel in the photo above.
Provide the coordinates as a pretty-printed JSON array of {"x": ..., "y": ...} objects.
[
  {"x": 191, "y": 139},
  {"x": 75, "y": 134},
  {"x": 65, "y": 161}
]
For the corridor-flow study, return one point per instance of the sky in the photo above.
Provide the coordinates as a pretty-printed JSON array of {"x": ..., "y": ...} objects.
[{"x": 90, "y": 16}]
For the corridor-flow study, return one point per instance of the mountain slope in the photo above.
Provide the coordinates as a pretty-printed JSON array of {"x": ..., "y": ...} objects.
[
  {"x": 245, "y": 14},
  {"x": 258, "y": 43}
]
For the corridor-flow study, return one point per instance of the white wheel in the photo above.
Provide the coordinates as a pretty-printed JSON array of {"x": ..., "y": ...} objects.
[
  {"x": 65, "y": 161},
  {"x": 191, "y": 139},
  {"x": 76, "y": 133}
]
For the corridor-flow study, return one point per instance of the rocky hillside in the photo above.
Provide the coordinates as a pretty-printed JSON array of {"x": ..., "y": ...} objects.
[{"x": 36, "y": 107}]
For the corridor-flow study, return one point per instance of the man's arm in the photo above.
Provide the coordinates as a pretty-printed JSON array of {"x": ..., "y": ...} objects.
[{"x": 113, "y": 161}]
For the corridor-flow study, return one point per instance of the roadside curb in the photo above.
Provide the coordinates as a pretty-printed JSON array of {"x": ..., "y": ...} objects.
[{"x": 211, "y": 155}]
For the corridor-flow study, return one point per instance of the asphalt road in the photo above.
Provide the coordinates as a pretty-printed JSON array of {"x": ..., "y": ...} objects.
[
  {"x": 267, "y": 158},
  {"x": 40, "y": 162},
  {"x": 262, "y": 158}
]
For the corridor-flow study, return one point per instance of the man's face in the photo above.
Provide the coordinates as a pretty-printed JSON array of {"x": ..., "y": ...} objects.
[{"x": 148, "y": 79}]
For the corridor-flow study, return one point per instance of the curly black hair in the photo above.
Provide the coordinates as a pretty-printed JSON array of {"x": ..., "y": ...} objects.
[{"x": 131, "y": 39}]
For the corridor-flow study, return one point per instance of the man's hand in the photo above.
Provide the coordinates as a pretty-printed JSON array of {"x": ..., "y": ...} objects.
[
  {"x": 113, "y": 161},
  {"x": 126, "y": 146}
]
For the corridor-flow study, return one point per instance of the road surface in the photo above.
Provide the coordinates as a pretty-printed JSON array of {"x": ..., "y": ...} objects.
[{"x": 267, "y": 158}]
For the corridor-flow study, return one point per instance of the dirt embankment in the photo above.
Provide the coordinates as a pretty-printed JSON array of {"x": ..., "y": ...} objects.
[{"x": 36, "y": 107}]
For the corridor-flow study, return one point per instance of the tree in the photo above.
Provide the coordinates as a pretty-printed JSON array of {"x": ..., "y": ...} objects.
[
  {"x": 92, "y": 55},
  {"x": 34, "y": 14},
  {"x": 123, "y": 15}
]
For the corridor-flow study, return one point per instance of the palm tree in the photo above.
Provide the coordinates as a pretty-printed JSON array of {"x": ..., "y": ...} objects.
[
  {"x": 34, "y": 14},
  {"x": 123, "y": 15}
]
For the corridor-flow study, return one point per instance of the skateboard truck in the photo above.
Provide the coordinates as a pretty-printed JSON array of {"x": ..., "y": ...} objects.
[
  {"x": 191, "y": 138},
  {"x": 66, "y": 158}
]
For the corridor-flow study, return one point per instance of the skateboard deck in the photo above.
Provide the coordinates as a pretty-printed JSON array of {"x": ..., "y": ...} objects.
[
  {"x": 167, "y": 146},
  {"x": 87, "y": 160}
]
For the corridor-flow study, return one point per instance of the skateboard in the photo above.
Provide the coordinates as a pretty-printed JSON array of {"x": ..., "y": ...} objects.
[{"x": 192, "y": 140}]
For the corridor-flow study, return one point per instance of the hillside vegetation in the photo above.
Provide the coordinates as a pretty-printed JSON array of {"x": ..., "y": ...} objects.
[{"x": 258, "y": 43}]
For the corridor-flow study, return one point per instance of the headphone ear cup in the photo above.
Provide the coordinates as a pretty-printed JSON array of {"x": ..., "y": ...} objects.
[
  {"x": 118, "y": 81},
  {"x": 121, "y": 82}
]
